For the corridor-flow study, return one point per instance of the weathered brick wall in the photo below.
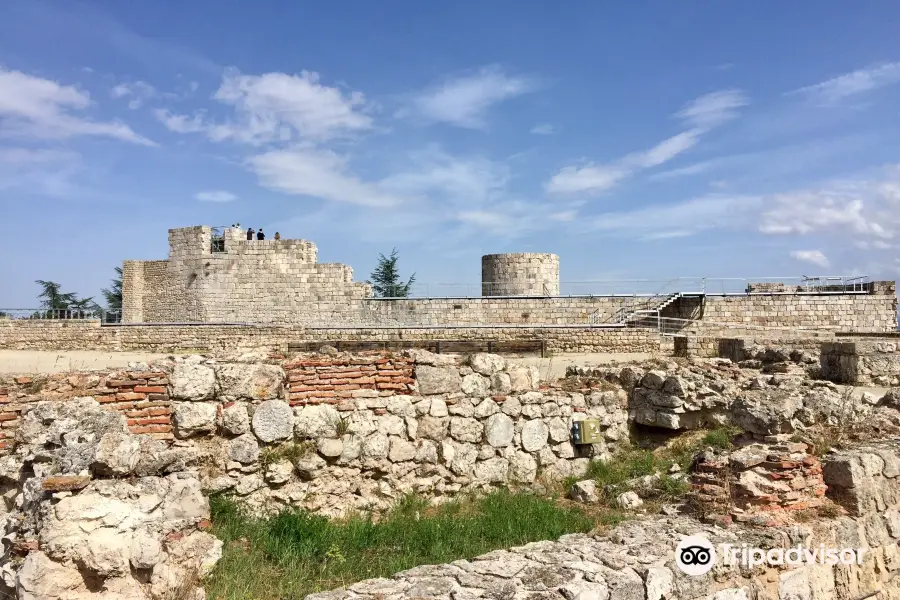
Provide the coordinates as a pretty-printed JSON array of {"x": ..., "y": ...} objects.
[
  {"x": 340, "y": 381},
  {"x": 382, "y": 421},
  {"x": 142, "y": 396},
  {"x": 761, "y": 478}
]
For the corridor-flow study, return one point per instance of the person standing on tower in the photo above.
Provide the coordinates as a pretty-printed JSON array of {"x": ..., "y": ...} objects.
[
  {"x": 250, "y": 234},
  {"x": 260, "y": 235}
]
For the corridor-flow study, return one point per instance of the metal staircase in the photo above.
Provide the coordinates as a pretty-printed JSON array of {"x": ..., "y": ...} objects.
[{"x": 637, "y": 309}]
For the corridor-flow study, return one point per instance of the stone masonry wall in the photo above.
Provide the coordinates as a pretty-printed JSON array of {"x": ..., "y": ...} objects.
[
  {"x": 862, "y": 362},
  {"x": 866, "y": 479},
  {"x": 520, "y": 274},
  {"x": 487, "y": 311},
  {"x": 281, "y": 282},
  {"x": 875, "y": 312},
  {"x": 413, "y": 422},
  {"x": 90, "y": 335},
  {"x": 270, "y": 281}
]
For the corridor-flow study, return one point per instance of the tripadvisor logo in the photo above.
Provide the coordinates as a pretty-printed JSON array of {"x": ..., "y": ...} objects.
[{"x": 695, "y": 555}]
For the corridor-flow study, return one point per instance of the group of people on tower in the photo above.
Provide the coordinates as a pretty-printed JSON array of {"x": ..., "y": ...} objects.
[{"x": 259, "y": 234}]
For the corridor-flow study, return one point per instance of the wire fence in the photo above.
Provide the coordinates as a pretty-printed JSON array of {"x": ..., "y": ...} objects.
[
  {"x": 61, "y": 314},
  {"x": 837, "y": 284},
  {"x": 670, "y": 326}
]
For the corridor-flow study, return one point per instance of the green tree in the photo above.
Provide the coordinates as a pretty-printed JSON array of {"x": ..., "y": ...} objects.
[
  {"x": 386, "y": 278},
  {"x": 52, "y": 296},
  {"x": 62, "y": 305},
  {"x": 113, "y": 295}
]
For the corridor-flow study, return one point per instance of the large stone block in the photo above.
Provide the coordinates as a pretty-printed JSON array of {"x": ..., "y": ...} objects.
[
  {"x": 253, "y": 381},
  {"x": 437, "y": 380}
]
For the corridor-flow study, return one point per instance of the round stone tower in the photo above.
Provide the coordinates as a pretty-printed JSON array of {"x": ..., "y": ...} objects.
[{"x": 520, "y": 274}]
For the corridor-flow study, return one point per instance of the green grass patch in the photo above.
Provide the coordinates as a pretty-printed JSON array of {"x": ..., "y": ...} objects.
[
  {"x": 721, "y": 438},
  {"x": 614, "y": 475},
  {"x": 297, "y": 553}
]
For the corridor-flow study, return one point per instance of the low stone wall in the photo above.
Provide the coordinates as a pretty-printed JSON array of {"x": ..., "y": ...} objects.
[
  {"x": 862, "y": 362},
  {"x": 89, "y": 335},
  {"x": 866, "y": 479},
  {"x": 341, "y": 432},
  {"x": 695, "y": 346}
]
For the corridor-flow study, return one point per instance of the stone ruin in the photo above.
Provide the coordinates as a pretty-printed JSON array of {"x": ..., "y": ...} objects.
[{"x": 105, "y": 499}]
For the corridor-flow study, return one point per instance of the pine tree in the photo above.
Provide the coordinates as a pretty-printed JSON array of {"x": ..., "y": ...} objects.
[
  {"x": 386, "y": 278},
  {"x": 53, "y": 296},
  {"x": 62, "y": 305},
  {"x": 113, "y": 295}
]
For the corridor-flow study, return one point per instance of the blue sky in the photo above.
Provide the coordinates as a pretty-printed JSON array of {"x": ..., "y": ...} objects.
[{"x": 642, "y": 140}]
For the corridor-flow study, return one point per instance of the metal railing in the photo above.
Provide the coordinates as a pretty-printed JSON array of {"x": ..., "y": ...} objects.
[
  {"x": 61, "y": 314},
  {"x": 670, "y": 326},
  {"x": 217, "y": 241},
  {"x": 644, "y": 288}
]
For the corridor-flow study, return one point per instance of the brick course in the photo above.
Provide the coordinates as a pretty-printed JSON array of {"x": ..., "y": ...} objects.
[
  {"x": 147, "y": 412},
  {"x": 338, "y": 381}
]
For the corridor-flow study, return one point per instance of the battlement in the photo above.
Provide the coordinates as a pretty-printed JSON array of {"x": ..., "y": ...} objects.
[
  {"x": 200, "y": 240},
  {"x": 218, "y": 275}
]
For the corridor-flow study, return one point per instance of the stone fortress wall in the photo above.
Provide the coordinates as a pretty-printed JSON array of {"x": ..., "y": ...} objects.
[
  {"x": 274, "y": 281},
  {"x": 281, "y": 282}
]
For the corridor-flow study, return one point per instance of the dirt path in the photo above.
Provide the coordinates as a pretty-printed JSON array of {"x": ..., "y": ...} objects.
[
  {"x": 41, "y": 361},
  {"x": 555, "y": 367}
]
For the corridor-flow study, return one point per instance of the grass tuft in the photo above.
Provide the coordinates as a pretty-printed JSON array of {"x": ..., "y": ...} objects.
[
  {"x": 291, "y": 451},
  {"x": 297, "y": 553},
  {"x": 625, "y": 468},
  {"x": 721, "y": 438}
]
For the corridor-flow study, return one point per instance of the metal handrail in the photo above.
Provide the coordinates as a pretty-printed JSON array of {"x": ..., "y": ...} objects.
[{"x": 60, "y": 314}]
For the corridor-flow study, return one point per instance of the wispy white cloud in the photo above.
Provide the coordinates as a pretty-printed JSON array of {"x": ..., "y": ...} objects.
[
  {"x": 826, "y": 209},
  {"x": 776, "y": 161},
  {"x": 701, "y": 115},
  {"x": 595, "y": 179},
  {"x": 180, "y": 123},
  {"x": 711, "y": 110},
  {"x": 32, "y": 107},
  {"x": 317, "y": 173},
  {"x": 587, "y": 178},
  {"x": 448, "y": 180},
  {"x": 679, "y": 219},
  {"x": 813, "y": 257},
  {"x": 465, "y": 100},
  {"x": 832, "y": 91},
  {"x": 543, "y": 129},
  {"x": 277, "y": 107},
  {"x": 215, "y": 196},
  {"x": 137, "y": 93},
  {"x": 46, "y": 172}
]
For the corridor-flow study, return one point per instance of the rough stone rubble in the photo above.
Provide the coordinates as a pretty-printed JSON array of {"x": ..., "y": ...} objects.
[
  {"x": 635, "y": 561},
  {"x": 95, "y": 511},
  {"x": 69, "y": 536}
]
